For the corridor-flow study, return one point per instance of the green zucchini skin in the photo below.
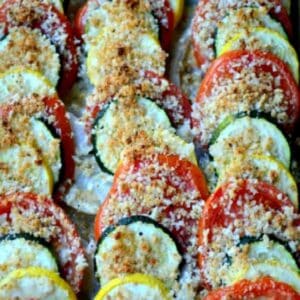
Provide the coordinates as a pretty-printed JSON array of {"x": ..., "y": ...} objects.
[
  {"x": 133, "y": 219},
  {"x": 94, "y": 141},
  {"x": 245, "y": 240}
]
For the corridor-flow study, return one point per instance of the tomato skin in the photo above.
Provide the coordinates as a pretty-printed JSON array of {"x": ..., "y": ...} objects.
[
  {"x": 68, "y": 53},
  {"x": 262, "y": 287},
  {"x": 278, "y": 12},
  {"x": 63, "y": 128},
  {"x": 189, "y": 173},
  {"x": 166, "y": 30},
  {"x": 67, "y": 238},
  {"x": 55, "y": 109},
  {"x": 220, "y": 69},
  {"x": 80, "y": 20}
]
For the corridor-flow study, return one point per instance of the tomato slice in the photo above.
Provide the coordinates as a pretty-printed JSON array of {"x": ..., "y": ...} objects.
[
  {"x": 227, "y": 206},
  {"x": 265, "y": 287},
  {"x": 54, "y": 25},
  {"x": 62, "y": 126},
  {"x": 55, "y": 111},
  {"x": 166, "y": 19},
  {"x": 163, "y": 186},
  {"x": 259, "y": 62},
  {"x": 163, "y": 13},
  {"x": 39, "y": 216},
  {"x": 209, "y": 13}
]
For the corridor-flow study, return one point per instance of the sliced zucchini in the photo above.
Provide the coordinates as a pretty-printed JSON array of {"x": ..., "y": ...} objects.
[
  {"x": 258, "y": 250},
  {"x": 35, "y": 283},
  {"x": 137, "y": 244},
  {"x": 238, "y": 20},
  {"x": 22, "y": 169},
  {"x": 120, "y": 126},
  {"x": 262, "y": 168},
  {"x": 271, "y": 268},
  {"x": 264, "y": 39},
  {"x": 49, "y": 146},
  {"x": 271, "y": 250},
  {"x": 174, "y": 144},
  {"x": 108, "y": 13},
  {"x": 142, "y": 52},
  {"x": 23, "y": 251},
  {"x": 248, "y": 136},
  {"x": 134, "y": 287},
  {"x": 18, "y": 84},
  {"x": 29, "y": 49}
]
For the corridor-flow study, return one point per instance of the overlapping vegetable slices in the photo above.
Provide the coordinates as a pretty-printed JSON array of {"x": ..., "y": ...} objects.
[
  {"x": 210, "y": 13},
  {"x": 139, "y": 127},
  {"x": 40, "y": 217},
  {"x": 249, "y": 229},
  {"x": 41, "y": 252}
]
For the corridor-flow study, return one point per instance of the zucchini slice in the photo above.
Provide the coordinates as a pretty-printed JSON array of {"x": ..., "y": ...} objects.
[
  {"x": 35, "y": 283},
  {"x": 120, "y": 126},
  {"x": 137, "y": 244},
  {"x": 264, "y": 39},
  {"x": 109, "y": 13},
  {"x": 49, "y": 146},
  {"x": 241, "y": 19},
  {"x": 270, "y": 268},
  {"x": 18, "y": 83},
  {"x": 29, "y": 49},
  {"x": 22, "y": 169},
  {"x": 266, "y": 250},
  {"x": 23, "y": 251},
  {"x": 142, "y": 52},
  {"x": 134, "y": 287},
  {"x": 262, "y": 168},
  {"x": 248, "y": 136},
  {"x": 271, "y": 250}
]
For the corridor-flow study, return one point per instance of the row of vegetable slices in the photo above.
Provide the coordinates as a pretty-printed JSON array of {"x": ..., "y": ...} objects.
[
  {"x": 245, "y": 115},
  {"x": 41, "y": 256},
  {"x": 152, "y": 211},
  {"x": 135, "y": 118}
]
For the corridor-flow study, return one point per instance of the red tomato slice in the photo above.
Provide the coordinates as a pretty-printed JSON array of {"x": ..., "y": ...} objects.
[
  {"x": 170, "y": 98},
  {"x": 62, "y": 126},
  {"x": 166, "y": 20},
  {"x": 164, "y": 15},
  {"x": 54, "y": 25},
  {"x": 263, "y": 62},
  {"x": 207, "y": 10},
  {"x": 38, "y": 216},
  {"x": 265, "y": 287},
  {"x": 172, "y": 177},
  {"x": 226, "y": 206},
  {"x": 56, "y": 111},
  {"x": 80, "y": 20}
]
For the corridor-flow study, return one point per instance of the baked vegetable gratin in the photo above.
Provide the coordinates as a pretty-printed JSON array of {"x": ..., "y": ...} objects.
[{"x": 166, "y": 132}]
